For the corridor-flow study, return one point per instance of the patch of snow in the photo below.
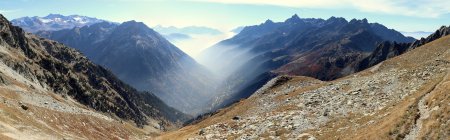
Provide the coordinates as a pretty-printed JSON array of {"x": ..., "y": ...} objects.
[{"x": 43, "y": 20}]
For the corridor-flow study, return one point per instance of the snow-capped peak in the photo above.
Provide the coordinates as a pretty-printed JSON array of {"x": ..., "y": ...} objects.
[{"x": 53, "y": 22}]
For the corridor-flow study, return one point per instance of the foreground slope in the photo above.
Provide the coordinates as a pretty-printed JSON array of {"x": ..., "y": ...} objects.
[
  {"x": 42, "y": 81},
  {"x": 405, "y": 97}
]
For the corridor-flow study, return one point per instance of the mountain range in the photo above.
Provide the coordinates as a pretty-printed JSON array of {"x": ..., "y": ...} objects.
[
  {"x": 47, "y": 79},
  {"x": 53, "y": 22},
  {"x": 144, "y": 59},
  {"x": 404, "y": 97},
  {"x": 304, "y": 47}
]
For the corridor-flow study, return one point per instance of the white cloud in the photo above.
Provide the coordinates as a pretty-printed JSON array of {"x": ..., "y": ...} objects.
[
  {"x": 417, "y": 8},
  {"x": 194, "y": 46},
  {"x": 288, "y": 3},
  {"x": 417, "y": 34}
]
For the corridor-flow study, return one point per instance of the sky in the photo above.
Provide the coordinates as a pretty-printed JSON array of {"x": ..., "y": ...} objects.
[{"x": 401, "y": 15}]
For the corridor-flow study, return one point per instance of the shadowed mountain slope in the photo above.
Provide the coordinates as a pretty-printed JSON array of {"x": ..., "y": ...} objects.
[
  {"x": 46, "y": 66},
  {"x": 142, "y": 58}
]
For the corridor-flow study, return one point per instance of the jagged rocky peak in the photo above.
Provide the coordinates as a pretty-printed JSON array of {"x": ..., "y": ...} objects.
[
  {"x": 336, "y": 20},
  {"x": 443, "y": 31},
  {"x": 363, "y": 21},
  {"x": 268, "y": 21},
  {"x": 294, "y": 19}
]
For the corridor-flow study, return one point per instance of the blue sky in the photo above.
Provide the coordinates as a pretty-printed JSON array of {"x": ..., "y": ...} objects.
[{"x": 402, "y": 15}]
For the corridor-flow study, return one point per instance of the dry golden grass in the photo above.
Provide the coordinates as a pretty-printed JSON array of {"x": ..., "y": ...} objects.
[{"x": 387, "y": 127}]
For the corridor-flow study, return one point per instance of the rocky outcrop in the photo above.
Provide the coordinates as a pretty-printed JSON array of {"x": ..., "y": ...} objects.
[
  {"x": 441, "y": 32},
  {"x": 67, "y": 72}
]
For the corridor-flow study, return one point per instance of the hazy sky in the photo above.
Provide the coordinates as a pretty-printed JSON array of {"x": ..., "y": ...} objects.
[{"x": 402, "y": 15}]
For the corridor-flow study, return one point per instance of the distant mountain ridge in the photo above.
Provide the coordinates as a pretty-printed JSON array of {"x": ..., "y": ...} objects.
[
  {"x": 144, "y": 59},
  {"x": 298, "y": 46},
  {"x": 54, "y": 22}
]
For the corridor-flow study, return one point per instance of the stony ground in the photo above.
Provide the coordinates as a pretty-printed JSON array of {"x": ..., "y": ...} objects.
[{"x": 406, "y": 97}]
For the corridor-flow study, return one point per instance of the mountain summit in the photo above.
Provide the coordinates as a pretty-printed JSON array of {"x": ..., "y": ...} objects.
[{"x": 294, "y": 19}]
